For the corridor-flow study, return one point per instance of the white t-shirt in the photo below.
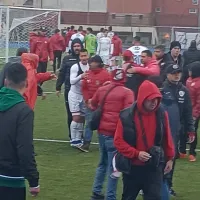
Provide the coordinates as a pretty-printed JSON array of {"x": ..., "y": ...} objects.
[
  {"x": 104, "y": 47},
  {"x": 74, "y": 36},
  {"x": 75, "y": 80},
  {"x": 99, "y": 36},
  {"x": 137, "y": 51},
  {"x": 111, "y": 34}
]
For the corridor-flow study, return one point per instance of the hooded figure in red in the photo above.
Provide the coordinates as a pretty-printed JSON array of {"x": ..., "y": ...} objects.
[
  {"x": 118, "y": 99},
  {"x": 129, "y": 142},
  {"x": 30, "y": 61}
]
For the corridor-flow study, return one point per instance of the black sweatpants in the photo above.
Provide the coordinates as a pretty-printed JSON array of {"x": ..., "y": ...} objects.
[
  {"x": 144, "y": 178},
  {"x": 69, "y": 114},
  {"x": 194, "y": 144},
  {"x": 7, "y": 193},
  {"x": 42, "y": 67},
  {"x": 183, "y": 140},
  {"x": 57, "y": 57}
]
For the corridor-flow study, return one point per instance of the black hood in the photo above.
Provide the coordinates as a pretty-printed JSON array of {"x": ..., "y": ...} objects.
[
  {"x": 77, "y": 40},
  {"x": 193, "y": 46}
]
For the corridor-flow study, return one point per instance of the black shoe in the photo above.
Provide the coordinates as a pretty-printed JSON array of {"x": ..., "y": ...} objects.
[
  {"x": 172, "y": 192},
  {"x": 97, "y": 197}
]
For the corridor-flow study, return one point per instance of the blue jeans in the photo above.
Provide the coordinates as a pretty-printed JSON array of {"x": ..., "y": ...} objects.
[
  {"x": 165, "y": 191},
  {"x": 107, "y": 152},
  {"x": 88, "y": 131}
]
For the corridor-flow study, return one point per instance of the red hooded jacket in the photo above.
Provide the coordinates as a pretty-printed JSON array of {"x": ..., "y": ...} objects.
[
  {"x": 147, "y": 90},
  {"x": 95, "y": 79},
  {"x": 117, "y": 45},
  {"x": 149, "y": 69},
  {"x": 193, "y": 86},
  {"x": 58, "y": 42},
  {"x": 32, "y": 40},
  {"x": 118, "y": 99},
  {"x": 30, "y": 61},
  {"x": 43, "y": 48}
]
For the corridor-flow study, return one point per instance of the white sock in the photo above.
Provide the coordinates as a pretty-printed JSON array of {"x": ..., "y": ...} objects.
[
  {"x": 76, "y": 133},
  {"x": 79, "y": 132}
]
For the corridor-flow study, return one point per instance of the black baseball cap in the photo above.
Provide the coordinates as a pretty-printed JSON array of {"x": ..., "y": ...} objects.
[
  {"x": 173, "y": 68},
  {"x": 96, "y": 59}
]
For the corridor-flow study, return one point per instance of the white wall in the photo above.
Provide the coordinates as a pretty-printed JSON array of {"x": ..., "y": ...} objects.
[{"x": 74, "y": 5}]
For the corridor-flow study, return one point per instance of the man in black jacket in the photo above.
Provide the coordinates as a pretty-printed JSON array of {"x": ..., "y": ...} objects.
[
  {"x": 177, "y": 102},
  {"x": 64, "y": 74},
  {"x": 190, "y": 56},
  {"x": 17, "y": 161}
]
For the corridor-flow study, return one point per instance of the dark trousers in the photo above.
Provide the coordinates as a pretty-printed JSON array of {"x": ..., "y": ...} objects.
[
  {"x": 184, "y": 138},
  {"x": 69, "y": 114},
  {"x": 7, "y": 193},
  {"x": 57, "y": 57},
  {"x": 144, "y": 178},
  {"x": 42, "y": 67}
]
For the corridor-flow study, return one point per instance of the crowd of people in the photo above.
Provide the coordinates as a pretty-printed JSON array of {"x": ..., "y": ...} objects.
[{"x": 145, "y": 110}]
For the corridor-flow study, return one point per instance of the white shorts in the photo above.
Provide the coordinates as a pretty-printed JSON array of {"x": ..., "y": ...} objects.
[
  {"x": 106, "y": 60},
  {"x": 76, "y": 104}
]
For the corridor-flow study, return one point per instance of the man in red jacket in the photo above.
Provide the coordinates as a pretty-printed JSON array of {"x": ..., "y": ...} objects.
[
  {"x": 95, "y": 78},
  {"x": 58, "y": 44},
  {"x": 43, "y": 49},
  {"x": 141, "y": 128},
  {"x": 117, "y": 45},
  {"x": 117, "y": 99},
  {"x": 193, "y": 85},
  {"x": 32, "y": 39}
]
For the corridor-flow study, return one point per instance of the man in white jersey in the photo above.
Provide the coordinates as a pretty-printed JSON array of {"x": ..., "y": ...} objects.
[
  {"x": 110, "y": 32},
  {"x": 75, "y": 98},
  {"x": 105, "y": 48},
  {"x": 78, "y": 35},
  {"x": 100, "y": 34},
  {"x": 137, "y": 49}
]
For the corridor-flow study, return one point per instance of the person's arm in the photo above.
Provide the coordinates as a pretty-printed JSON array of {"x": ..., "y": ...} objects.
[
  {"x": 73, "y": 75},
  {"x": 42, "y": 77},
  {"x": 33, "y": 47},
  {"x": 128, "y": 98},
  {"x": 85, "y": 90},
  {"x": 95, "y": 99},
  {"x": 111, "y": 47},
  {"x": 123, "y": 147},
  {"x": 98, "y": 47},
  {"x": 25, "y": 148},
  {"x": 150, "y": 71},
  {"x": 120, "y": 47},
  {"x": 50, "y": 50},
  {"x": 61, "y": 75},
  {"x": 169, "y": 147},
  {"x": 195, "y": 97},
  {"x": 187, "y": 113}
]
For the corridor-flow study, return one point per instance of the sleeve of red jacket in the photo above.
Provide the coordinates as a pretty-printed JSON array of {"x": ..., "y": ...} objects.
[
  {"x": 62, "y": 41},
  {"x": 195, "y": 98},
  {"x": 123, "y": 147},
  {"x": 120, "y": 47},
  {"x": 33, "y": 45},
  {"x": 85, "y": 90},
  {"x": 95, "y": 99},
  {"x": 169, "y": 148},
  {"x": 50, "y": 49},
  {"x": 42, "y": 77},
  {"x": 153, "y": 70},
  {"x": 128, "y": 98}
]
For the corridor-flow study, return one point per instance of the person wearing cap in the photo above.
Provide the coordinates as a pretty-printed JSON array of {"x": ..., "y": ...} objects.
[
  {"x": 95, "y": 78},
  {"x": 191, "y": 55},
  {"x": 43, "y": 48},
  {"x": 193, "y": 85},
  {"x": 137, "y": 49},
  {"x": 58, "y": 44},
  {"x": 177, "y": 103},
  {"x": 174, "y": 55},
  {"x": 33, "y": 36},
  {"x": 118, "y": 98}
]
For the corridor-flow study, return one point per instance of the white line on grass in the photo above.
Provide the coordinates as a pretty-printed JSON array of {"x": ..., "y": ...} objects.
[{"x": 66, "y": 141}]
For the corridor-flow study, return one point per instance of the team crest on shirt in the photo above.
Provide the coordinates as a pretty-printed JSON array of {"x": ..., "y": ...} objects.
[
  {"x": 181, "y": 93},
  {"x": 193, "y": 84},
  {"x": 97, "y": 82}
]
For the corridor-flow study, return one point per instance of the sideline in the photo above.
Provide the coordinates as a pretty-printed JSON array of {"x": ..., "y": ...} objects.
[{"x": 66, "y": 141}]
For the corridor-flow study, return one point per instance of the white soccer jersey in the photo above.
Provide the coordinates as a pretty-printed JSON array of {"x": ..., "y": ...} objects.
[
  {"x": 99, "y": 36},
  {"x": 137, "y": 51},
  {"x": 74, "y": 36},
  {"x": 111, "y": 34},
  {"x": 104, "y": 47},
  {"x": 75, "y": 79}
]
